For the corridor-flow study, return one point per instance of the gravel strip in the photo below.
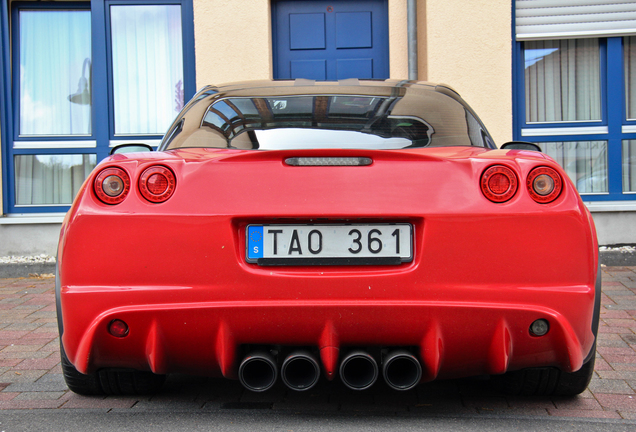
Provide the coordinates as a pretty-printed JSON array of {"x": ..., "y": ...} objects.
[{"x": 27, "y": 259}]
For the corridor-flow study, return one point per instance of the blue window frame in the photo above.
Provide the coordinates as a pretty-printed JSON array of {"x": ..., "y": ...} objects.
[
  {"x": 595, "y": 151},
  {"x": 52, "y": 137}
]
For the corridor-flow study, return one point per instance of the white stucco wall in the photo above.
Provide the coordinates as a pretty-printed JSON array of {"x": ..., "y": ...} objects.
[
  {"x": 468, "y": 45},
  {"x": 398, "y": 40},
  {"x": 232, "y": 40}
]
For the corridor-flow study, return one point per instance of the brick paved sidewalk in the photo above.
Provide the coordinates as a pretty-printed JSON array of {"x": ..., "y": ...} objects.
[{"x": 30, "y": 372}]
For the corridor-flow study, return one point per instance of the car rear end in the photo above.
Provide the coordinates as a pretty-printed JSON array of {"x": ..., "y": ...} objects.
[{"x": 415, "y": 263}]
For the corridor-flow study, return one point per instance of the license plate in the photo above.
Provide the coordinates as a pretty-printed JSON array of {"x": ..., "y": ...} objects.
[{"x": 351, "y": 244}]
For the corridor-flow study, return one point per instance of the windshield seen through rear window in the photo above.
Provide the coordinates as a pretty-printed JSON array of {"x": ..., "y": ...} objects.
[{"x": 429, "y": 119}]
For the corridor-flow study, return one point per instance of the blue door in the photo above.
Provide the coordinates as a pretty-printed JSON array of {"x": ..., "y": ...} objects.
[{"x": 331, "y": 40}]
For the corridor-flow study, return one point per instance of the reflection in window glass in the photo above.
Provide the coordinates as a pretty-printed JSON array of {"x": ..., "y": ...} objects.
[
  {"x": 50, "y": 179},
  {"x": 147, "y": 67},
  {"x": 562, "y": 80},
  {"x": 630, "y": 76},
  {"x": 226, "y": 110},
  {"x": 584, "y": 161},
  {"x": 285, "y": 107},
  {"x": 245, "y": 106},
  {"x": 353, "y": 106},
  {"x": 629, "y": 166},
  {"x": 55, "y": 72}
]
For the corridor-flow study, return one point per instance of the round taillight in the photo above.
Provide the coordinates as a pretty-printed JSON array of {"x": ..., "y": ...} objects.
[
  {"x": 544, "y": 184},
  {"x": 112, "y": 185},
  {"x": 499, "y": 183},
  {"x": 157, "y": 184}
]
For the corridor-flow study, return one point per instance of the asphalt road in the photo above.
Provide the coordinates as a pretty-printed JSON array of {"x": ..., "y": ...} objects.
[{"x": 258, "y": 420}]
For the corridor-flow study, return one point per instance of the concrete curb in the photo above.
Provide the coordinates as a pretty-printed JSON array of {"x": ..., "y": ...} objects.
[
  {"x": 611, "y": 258},
  {"x": 16, "y": 270},
  {"x": 615, "y": 258}
]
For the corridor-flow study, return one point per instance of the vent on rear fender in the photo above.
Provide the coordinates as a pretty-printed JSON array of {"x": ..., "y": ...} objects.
[{"x": 328, "y": 161}]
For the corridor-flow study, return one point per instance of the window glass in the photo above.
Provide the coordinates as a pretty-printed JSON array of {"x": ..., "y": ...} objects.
[
  {"x": 147, "y": 59},
  {"x": 562, "y": 80},
  {"x": 55, "y": 72},
  {"x": 629, "y": 48},
  {"x": 584, "y": 161},
  {"x": 629, "y": 166},
  {"x": 429, "y": 119},
  {"x": 50, "y": 179}
]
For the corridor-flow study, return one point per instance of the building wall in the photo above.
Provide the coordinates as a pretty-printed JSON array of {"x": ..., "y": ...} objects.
[
  {"x": 1, "y": 188},
  {"x": 234, "y": 40},
  {"x": 29, "y": 239},
  {"x": 468, "y": 45},
  {"x": 398, "y": 39}
]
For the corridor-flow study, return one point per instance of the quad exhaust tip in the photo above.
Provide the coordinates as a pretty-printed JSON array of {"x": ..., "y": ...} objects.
[
  {"x": 358, "y": 370},
  {"x": 258, "y": 371},
  {"x": 401, "y": 370},
  {"x": 300, "y": 371}
]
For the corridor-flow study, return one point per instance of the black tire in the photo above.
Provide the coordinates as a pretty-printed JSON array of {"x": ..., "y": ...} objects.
[
  {"x": 78, "y": 382},
  {"x": 552, "y": 381},
  {"x": 129, "y": 382},
  {"x": 547, "y": 381},
  {"x": 104, "y": 381},
  {"x": 110, "y": 381}
]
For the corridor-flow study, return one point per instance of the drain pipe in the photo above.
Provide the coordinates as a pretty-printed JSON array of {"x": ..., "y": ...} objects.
[{"x": 411, "y": 10}]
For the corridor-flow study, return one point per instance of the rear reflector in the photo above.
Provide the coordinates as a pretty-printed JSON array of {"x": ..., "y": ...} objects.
[
  {"x": 118, "y": 328},
  {"x": 328, "y": 161}
]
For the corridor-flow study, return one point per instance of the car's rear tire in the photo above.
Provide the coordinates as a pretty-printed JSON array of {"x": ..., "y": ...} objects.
[
  {"x": 548, "y": 381},
  {"x": 78, "y": 382},
  {"x": 110, "y": 381}
]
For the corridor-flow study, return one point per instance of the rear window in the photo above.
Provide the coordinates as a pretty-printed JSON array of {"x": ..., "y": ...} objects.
[{"x": 414, "y": 119}]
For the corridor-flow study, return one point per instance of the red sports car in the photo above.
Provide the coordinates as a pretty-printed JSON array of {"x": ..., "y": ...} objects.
[{"x": 338, "y": 229}]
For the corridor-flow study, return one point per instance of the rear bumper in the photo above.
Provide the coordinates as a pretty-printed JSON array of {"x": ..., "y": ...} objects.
[
  {"x": 170, "y": 333},
  {"x": 464, "y": 304}
]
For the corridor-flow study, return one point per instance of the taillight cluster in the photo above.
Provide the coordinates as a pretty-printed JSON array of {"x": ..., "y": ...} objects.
[
  {"x": 499, "y": 183},
  {"x": 156, "y": 184},
  {"x": 544, "y": 184},
  {"x": 112, "y": 185}
]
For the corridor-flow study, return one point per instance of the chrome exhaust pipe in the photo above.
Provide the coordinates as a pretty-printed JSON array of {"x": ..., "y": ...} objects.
[
  {"x": 258, "y": 371},
  {"x": 401, "y": 370},
  {"x": 358, "y": 370},
  {"x": 300, "y": 371}
]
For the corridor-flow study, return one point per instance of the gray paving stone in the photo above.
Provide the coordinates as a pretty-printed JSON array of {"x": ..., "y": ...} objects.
[
  {"x": 36, "y": 387},
  {"x": 51, "y": 378},
  {"x": 618, "y": 293},
  {"x": 23, "y": 376},
  {"x": 40, "y": 395},
  {"x": 43, "y": 314},
  {"x": 611, "y": 386}
]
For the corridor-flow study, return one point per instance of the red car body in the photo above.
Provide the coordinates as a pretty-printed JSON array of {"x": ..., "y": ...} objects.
[{"x": 176, "y": 272}]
